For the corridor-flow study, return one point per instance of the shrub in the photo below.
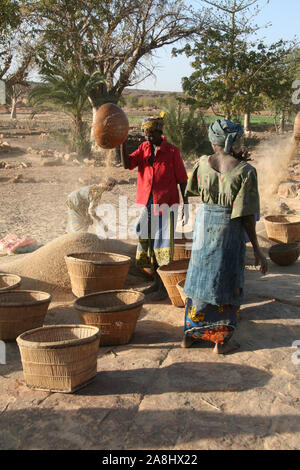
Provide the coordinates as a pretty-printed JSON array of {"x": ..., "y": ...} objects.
[{"x": 186, "y": 129}]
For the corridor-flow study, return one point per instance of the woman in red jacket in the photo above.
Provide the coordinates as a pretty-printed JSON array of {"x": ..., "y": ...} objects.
[{"x": 160, "y": 171}]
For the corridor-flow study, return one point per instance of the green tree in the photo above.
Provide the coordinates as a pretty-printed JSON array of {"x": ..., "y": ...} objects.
[
  {"x": 279, "y": 91},
  {"x": 69, "y": 92},
  {"x": 185, "y": 127},
  {"x": 116, "y": 38},
  {"x": 17, "y": 50},
  {"x": 231, "y": 73}
]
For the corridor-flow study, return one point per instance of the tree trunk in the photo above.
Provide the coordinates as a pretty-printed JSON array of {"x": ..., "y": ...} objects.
[
  {"x": 275, "y": 123},
  {"x": 282, "y": 122},
  {"x": 247, "y": 122},
  {"x": 80, "y": 142},
  {"x": 13, "y": 114},
  {"x": 92, "y": 137}
]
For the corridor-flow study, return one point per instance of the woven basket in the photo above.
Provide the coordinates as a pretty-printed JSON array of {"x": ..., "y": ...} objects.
[
  {"x": 283, "y": 228},
  {"x": 182, "y": 249},
  {"x": 114, "y": 312},
  {"x": 9, "y": 282},
  {"x": 22, "y": 310},
  {"x": 284, "y": 254},
  {"x": 170, "y": 275},
  {"x": 59, "y": 358},
  {"x": 97, "y": 272},
  {"x": 180, "y": 287}
]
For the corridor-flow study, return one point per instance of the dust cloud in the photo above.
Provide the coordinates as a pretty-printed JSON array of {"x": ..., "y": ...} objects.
[{"x": 274, "y": 156}]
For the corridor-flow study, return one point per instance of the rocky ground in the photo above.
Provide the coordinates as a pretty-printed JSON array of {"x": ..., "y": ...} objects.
[{"x": 150, "y": 394}]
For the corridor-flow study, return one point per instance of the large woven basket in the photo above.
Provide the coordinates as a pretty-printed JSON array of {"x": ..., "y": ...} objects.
[
  {"x": 180, "y": 287},
  {"x": 284, "y": 254},
  {"x": 283, "y": 228},
  {"x": 182, "y": 249},
  {"x": 59, "y": 358},
  {"x": 9, "y": 282},
  {"x": 171, "y": 274},
  {"x": 114, "y": 312},
  {"x": 96, "y": 272},
  {"x": 22, "y": 310}
]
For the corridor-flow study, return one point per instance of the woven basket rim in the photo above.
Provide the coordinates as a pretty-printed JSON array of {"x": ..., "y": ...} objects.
[
  {"x": 28, "y": 304},
  {"x": 17, "y": 278},
  {"x": 115, "y": 308},
  {"x": 73, "y": 258},
  {"x": 297, "y": 222},
  {"x": 166, "y": 272},
  {"x": 23, "y": 343}
]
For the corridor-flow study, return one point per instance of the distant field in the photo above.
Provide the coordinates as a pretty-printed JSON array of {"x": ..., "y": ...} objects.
[{"x": 257, "y": 121}]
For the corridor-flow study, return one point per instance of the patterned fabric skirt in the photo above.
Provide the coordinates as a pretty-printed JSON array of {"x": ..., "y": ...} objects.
[
  {"x": 155, "y": 237},
  {"x": 210, "y": 322},
  {"x": 77, "y": 222},
  {"x": 215, "y": 277}
]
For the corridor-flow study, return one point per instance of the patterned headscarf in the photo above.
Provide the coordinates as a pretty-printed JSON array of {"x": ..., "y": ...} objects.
[
  {"x": 224, "y": 133},
  {"x": 154, "y": 123}
]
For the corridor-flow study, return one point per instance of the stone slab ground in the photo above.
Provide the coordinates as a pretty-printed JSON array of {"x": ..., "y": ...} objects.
[{"x": 151, "y": 394}]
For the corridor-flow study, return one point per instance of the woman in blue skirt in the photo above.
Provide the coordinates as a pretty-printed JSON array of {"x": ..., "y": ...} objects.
[{"x": 227, "y": 187}]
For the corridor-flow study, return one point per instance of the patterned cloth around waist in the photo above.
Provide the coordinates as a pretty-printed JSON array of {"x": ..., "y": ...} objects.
[
  {"x": 156, "y": 237},
  {"x": 216, "y": 269}
]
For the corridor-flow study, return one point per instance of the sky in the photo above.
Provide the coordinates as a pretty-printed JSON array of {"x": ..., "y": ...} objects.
[{"x": 284, "y": 16}]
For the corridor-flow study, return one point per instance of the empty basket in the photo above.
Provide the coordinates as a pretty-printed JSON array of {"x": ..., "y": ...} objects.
[
  {"x": 114, "y": 312},
  {"x": 182, "y": 249},
  {"x": 22, "y": 310},
  {"x": 97, "y": 272},
  {"x": 9, "y": 282},
  {"x": 171, "y": 274},
  {"x": 180, "y": 287},
  {"x": 59, "y": 358},
  {"x": 283, "y": 228}
]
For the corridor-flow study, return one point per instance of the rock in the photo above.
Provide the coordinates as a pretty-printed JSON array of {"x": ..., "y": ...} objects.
[
  {"x": 77, "y": 162},
  {"x": 52, "y": 162},
  {"x": 24, "y": 165},
  {"x": 288, "y": 190},
  {"x": 43, "y": 135},
  {"x": 67, "y": 157},
  {"x": 74, "y": 155},
  {"x": 46, "y": 153},
  {"x": 88, "y": 161},
  {"x": 15, "y": 179}
]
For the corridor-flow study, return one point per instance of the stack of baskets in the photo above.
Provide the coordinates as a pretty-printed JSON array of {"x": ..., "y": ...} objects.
[{"x": 98, "y": 280}]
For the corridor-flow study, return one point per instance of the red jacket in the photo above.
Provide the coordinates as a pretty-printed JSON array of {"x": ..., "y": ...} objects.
[{"x": 162, "y": 178}]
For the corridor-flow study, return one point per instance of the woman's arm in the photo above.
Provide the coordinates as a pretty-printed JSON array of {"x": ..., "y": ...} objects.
[
  {"x": 125, "y": 156},
  {"x": 249, "y": 225}
]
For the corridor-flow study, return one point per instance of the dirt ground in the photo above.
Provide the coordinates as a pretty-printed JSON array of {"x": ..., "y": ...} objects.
[{"x": 150, "y": 394}]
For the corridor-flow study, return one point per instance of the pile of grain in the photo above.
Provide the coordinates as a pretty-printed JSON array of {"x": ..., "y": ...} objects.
[{"x": 45, "y": 268}]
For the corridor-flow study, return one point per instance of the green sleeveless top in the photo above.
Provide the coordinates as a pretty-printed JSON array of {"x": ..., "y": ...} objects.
[{"x": 237, "y": 188}]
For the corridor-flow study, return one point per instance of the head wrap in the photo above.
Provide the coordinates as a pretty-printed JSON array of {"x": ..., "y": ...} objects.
[
  {"x": 154, "y": 123},
  {"x": 224, "y": 133}
]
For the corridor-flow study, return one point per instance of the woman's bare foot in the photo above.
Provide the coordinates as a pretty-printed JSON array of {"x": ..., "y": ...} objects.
[
  {"x": 187, "y": 341},
  {"x": 226, "y": 347}
]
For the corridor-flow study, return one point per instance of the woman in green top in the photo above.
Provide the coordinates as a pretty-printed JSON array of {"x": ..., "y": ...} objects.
[{"x": 227, "y": 187}]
